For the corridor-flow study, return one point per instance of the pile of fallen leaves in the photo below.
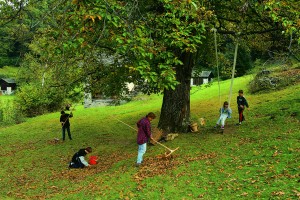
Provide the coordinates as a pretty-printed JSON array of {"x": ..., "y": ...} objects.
[
  {"x": 104, "y": 163},
  {"x": 162, "y": 164},
  {"x": 53, "y": 141},
  {"x": 156, "y": 166}
]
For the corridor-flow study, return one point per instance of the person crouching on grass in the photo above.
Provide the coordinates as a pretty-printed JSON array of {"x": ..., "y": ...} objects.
[
  {"x": 225, "y": 112},
  {"x": 143, "y": 136},
  {"x": 78, "y": 160}
]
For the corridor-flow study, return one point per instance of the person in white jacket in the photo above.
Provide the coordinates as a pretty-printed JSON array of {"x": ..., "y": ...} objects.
[{"x": 225, "y": 112}]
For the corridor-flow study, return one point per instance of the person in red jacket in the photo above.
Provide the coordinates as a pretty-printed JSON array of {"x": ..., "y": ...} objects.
[{"x": 143, "y": 136}]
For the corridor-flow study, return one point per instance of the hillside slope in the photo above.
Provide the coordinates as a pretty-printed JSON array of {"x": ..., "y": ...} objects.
[{"x": 258, "y": 160}]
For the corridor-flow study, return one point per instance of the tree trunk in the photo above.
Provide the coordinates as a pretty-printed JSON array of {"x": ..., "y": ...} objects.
[{"x": 175, "y": 110}]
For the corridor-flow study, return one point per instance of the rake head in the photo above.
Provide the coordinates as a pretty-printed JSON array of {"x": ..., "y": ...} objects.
[{"x": 167, "y": 154}]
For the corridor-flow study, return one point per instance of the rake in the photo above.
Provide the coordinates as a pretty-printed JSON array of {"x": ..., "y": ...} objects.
[
  {"x": 69, "y": 115},
  {"x": 170, "y": 150}
]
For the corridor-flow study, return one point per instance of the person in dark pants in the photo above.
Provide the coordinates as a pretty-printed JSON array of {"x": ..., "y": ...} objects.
[
  {"x": 241, "y": 103},
  {"x": 78, "y": 160},
  {"x": 65, "y": 123}
]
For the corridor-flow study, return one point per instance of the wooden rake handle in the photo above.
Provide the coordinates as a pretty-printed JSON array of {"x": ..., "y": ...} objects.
[
  {"x": 69, "y": 115},
  {"x": 162, "y": 145},
  {"x": 124, "y": 123},
  {"x": 152, "y": 138}
]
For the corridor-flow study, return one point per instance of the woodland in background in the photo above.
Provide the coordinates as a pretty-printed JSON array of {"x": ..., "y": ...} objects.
[{"x": 65, "y": 47}]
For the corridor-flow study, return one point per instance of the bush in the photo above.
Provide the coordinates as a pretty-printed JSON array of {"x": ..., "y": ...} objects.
[
  {"x": 9, "y": 114},
  {"x": 35, "y": 100},
  {"x": 265, "y": 80},
  {"x": 262, "y": 84}
]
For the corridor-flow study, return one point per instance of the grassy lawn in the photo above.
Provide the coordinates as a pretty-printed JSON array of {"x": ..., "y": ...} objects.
[
  {"x": 5, "y": 98},
  {"x": 258, "y": 160},
  {"x": 7, "y": 110}
]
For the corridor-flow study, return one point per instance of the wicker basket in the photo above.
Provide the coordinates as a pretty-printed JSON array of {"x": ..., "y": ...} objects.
[
  {"x": 156, "y": 135},
  {"x": 194, "y": 127}
]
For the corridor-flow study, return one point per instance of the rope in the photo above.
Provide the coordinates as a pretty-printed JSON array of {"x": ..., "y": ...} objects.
[
  {"x": 217, "y": 61},
  {"x": 233, "y": 71},
  {"x": 218, "y": 71}
]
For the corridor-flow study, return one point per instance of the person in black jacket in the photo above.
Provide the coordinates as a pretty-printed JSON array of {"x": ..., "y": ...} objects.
[
  {"x": 78, "y": 160},
  {"x": 241, "y": 103},
  {"x": 65, "y": 123}
]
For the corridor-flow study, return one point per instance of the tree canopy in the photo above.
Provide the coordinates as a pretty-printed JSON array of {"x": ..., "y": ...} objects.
[{"x": 156, "y": 44}]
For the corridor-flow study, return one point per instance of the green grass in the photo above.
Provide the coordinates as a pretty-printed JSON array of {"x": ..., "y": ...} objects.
[
  {"x": 7, "y": 111},
  {"x": 258, "y": 160},
  {"x": 6, "y": 97},
  {"x": 6, "y": 100}
]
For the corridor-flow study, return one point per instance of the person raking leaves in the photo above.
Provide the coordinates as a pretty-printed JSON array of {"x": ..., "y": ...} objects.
[
  {"x": 65, "y": 124},
  {"x": 143, "y": 136}
]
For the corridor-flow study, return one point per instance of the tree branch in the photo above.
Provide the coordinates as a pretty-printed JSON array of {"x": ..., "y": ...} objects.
[
  {"x": 11, "y": 18},
  {"x": 225, "y": 32}
]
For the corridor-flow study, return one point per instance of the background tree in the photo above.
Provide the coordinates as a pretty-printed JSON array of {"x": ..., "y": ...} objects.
[
  {"x": 152, "y": 43},
  {"x": 159, "y": 39},
  {"x": 15, "y": 31}
]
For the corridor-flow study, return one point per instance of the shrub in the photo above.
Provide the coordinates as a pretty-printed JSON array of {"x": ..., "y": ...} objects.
[
  {"x": 265, "y": 80},
  {"x": 35, "y": 100},
  {"x": 262, "y": 83},
  {"x": 9, "y": 114}
]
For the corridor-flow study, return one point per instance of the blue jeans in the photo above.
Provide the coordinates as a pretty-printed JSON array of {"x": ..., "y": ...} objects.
[
  {"x": 222, "y": 119},
  {"x": 141, "y": 151},
  {"x": 64, "y": 132}
]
